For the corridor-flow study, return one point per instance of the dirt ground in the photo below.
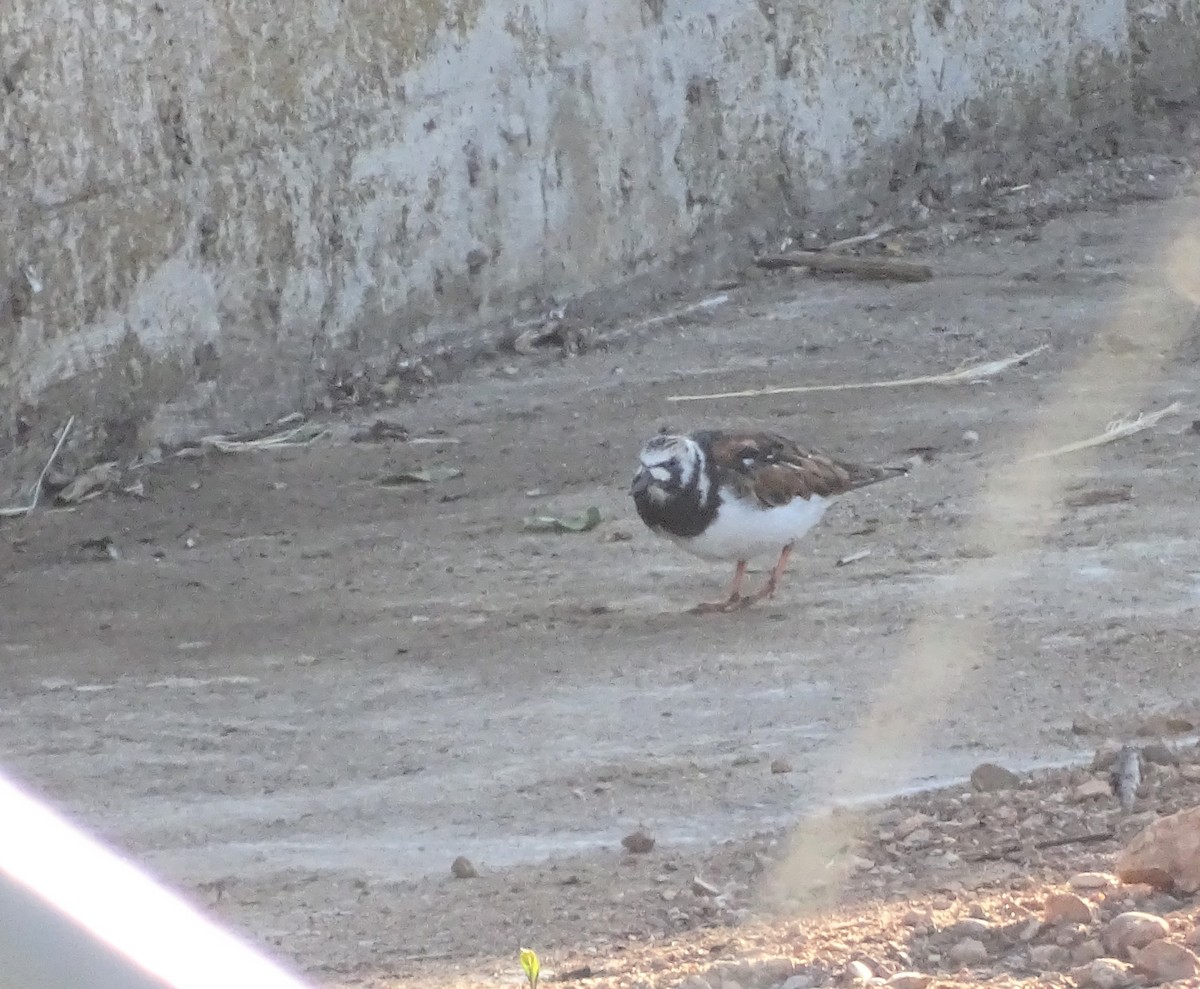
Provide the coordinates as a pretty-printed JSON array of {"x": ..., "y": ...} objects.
[{"x": 299, "y": 694}]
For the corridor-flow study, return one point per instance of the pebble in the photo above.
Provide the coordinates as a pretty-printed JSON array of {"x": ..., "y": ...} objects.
[
  {"x": 1067, "y": 908},
  {"x": 1091, "y": 790},
  {"x": 701, "y": 888},
  {"x": 461, "y": 868},
  {"x": 909, "y": 980},
  {"x": 1088, "y": 951},
  {"x": 1103, "y": 973},
  {"x": 1165, "y": 961},
  {"x": 1092, "y": 880},
  {"x": 1106, "y": 755},
  {"x": 1048, "y": 957},
  {"x": 916, "y": 917},
  {"x": 1133, "y": 929},
  {"x": 969, "y": 927},
  {"x": 1192, "y": 938},
  {"x": 990, "y": 778},
  {"x": 1159, "y": 754},
  {"x": 780, "y": 766},
  {"x": 638, "y": 843},
  {"x": 857, "y": 971},
  {"x": 911, "y": 823},
  {"x": 968, "y": 951}
]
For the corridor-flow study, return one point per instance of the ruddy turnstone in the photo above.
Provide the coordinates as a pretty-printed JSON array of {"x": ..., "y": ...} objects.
[{"x": 735, "y": 496}]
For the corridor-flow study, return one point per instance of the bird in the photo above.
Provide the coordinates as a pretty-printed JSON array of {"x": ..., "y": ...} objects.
[{"x": 731, "y": 495}]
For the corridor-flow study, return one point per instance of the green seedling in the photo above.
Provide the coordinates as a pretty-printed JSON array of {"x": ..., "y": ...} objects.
[{"x": 530, "y": 966}]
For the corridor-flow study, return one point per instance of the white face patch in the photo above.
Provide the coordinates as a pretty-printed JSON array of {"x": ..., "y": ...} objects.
[{"x": 665, "y": 452}]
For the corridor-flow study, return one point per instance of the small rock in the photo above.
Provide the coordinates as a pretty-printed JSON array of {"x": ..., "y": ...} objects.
[
  {"x": 1190, "y": 772},
  {"x": 1164, "y": 961},
  {"x": 1091, "y": 790},
  {"x": 1091, "y": 881},
  {"x": 1047, "y": 957},
  {"x": 780, "y": 766},
  {"x": 1106, "y": 755},
  {"x": 1103, "y": 973},
  {"x": 968, "y": 951},
  {"x": 909, "y": 980},
  {"x": 1132, "y": 929},
  {"x": 638, "y": 843},
  {"x": 969, "y": 927},
  {"x": 916, "y": 917},
  {"x": 1159, "y": 754},
  {"x": 701, "y": 888},
  {"x": 911, "y": 823},
  {"x": 970, "y": 437},
  {"x": 859, "y": 972},
  {"x": 1167, "y": 724},
  {"x": 990, "y": 778},
  {"x": 461, "y": 868},
  {"x": 1192, "y": 937},
  {"x": 1166, "y": 854},
  {"x": 1067, "y": 908},
  {"x": 1087, "y": 952},
  {"x": 921, "y": 836}
]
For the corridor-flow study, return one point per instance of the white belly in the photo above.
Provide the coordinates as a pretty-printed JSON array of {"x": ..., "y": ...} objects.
[{"x": 743, "y": 532}]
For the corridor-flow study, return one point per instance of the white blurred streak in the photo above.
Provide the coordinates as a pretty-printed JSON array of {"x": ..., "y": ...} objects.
[
  {"x": 1018, "y": 506},
  {"x": 74, "y": 915}
]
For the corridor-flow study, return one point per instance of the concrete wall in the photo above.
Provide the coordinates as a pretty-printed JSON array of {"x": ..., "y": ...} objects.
[{"x": 207, "y": 205}]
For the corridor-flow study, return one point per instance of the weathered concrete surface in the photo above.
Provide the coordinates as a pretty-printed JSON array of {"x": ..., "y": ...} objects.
[{"x": 207, "y": 207}]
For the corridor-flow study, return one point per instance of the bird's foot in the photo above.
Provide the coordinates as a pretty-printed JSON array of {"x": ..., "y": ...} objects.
[
  {"x": 766, "y": 592},
  {"x": 731, "y": 603}
]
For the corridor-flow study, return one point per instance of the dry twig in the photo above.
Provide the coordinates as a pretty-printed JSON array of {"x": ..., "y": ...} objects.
[
  {"x": 1116, "y": 430},
  {"x": 829, "y": 262},
  {"x": 976, "y": 372},
  {"x": 18, "y": 510},
  {"x": 992, "y": 854}
]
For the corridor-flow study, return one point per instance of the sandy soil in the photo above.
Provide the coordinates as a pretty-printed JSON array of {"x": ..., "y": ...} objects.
[{"x": 300, "y": 694}]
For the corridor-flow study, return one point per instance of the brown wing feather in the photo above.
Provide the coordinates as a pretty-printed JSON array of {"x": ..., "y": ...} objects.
[{"x": 774, "y": 470}]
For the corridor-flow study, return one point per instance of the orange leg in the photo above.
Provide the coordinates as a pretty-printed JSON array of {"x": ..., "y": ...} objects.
[
  {"x": 768, "y": 589},
  {"x": 735, "y": 595}
]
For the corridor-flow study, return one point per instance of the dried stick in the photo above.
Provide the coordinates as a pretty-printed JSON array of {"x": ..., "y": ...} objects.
[
  {"x": 878, "y": 269},
  {"x": 976, "y": 372},
  {"x": 1115, "y": 431},
  {"x": 1016, "y": 846},
  {"x": 19, "y": 510}
]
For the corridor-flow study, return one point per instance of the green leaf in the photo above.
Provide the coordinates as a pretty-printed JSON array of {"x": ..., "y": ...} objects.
[
  {"x": 584, "y": 522},
  {"x": 531, "y": 966},
  {"x": 426, "y": 475}
]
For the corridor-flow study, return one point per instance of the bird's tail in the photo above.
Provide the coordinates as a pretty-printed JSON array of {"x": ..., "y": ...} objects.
[{"x": 861, "y": 475}]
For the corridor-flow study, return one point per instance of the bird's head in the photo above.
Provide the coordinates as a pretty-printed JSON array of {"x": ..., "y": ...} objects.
[{"x": 669, "y": 464}]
